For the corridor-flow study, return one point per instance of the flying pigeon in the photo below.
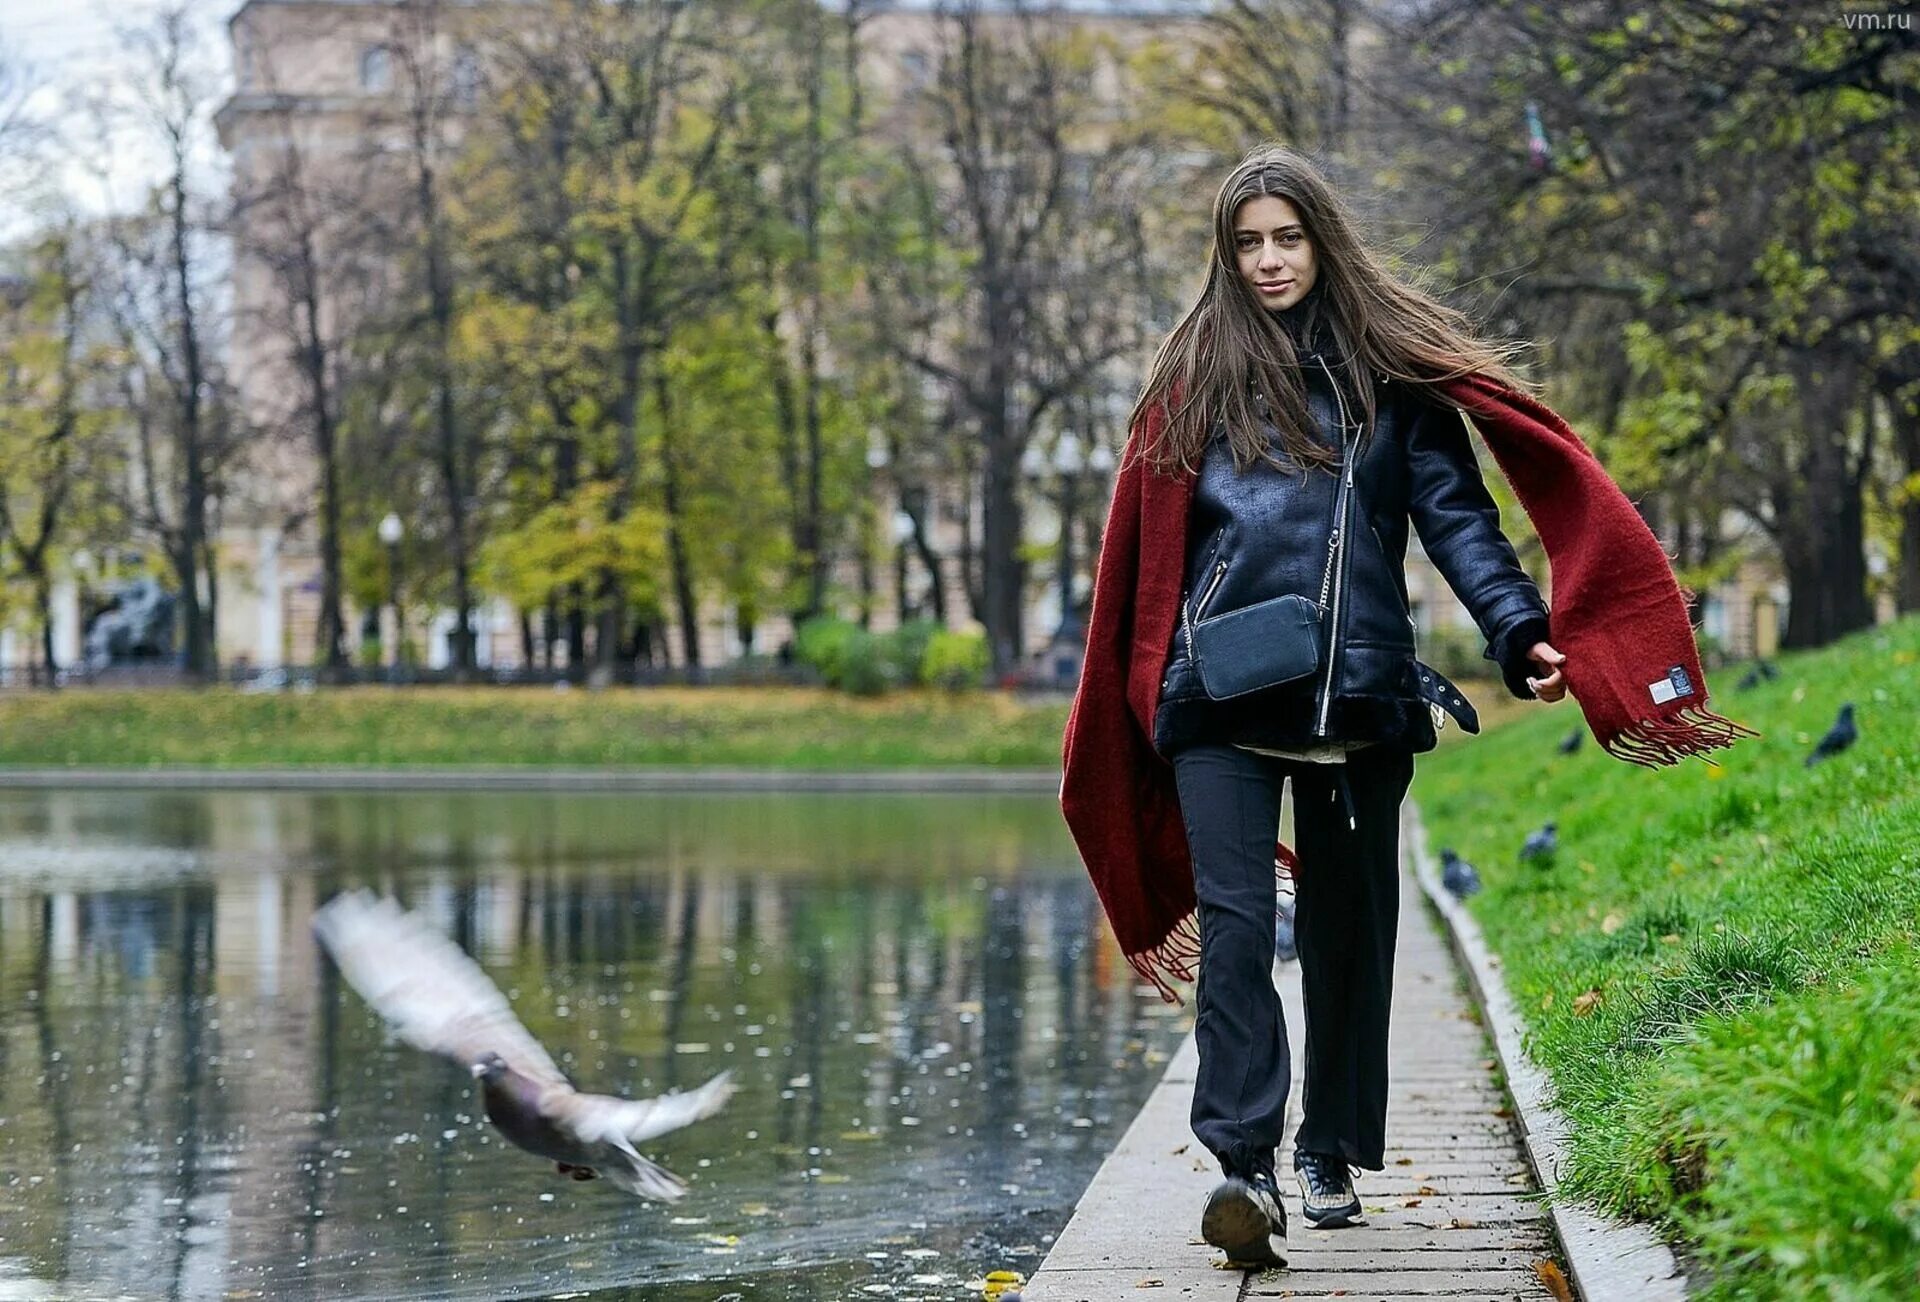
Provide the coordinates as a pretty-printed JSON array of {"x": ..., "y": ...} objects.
[
  {"x": 1457, "y": 875},
  {"x": 1543, "y": 843},
  {"x": 1572, "y": 741},
  {"x": 439, "y": 1000},
  {"x": 1841, "y": 735}
]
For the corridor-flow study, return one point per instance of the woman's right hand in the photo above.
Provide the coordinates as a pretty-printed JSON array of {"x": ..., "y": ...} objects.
[{"x": 1551, "y": 684}]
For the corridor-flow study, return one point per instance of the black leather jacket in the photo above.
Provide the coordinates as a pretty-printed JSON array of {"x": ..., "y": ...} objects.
[{"x": 1264, "y": 533}]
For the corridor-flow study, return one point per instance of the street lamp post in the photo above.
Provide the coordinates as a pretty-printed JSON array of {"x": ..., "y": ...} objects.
[{"x": 391, "y": 531}]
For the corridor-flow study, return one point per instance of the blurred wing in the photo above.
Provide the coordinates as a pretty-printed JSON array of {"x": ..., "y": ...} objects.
[
  {"x": 605, "y": 1119},
  {"x": 436, "y": 997}
]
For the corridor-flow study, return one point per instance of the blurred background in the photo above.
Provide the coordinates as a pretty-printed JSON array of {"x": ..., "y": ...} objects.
[
  {"x": 615, "y": 341},
  {"x": 591, "y": 386}
]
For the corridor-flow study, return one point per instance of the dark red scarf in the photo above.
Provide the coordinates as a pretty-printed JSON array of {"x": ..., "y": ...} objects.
[{"x": 1617, "y": 614}]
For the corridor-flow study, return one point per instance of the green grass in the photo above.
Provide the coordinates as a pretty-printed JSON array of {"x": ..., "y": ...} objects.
[
  {"x": 1721, "y": 969},
  {"x": 800, "y": 728}
]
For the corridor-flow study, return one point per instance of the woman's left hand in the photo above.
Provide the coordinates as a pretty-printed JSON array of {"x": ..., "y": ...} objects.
[{"x": 1551, "y": 684}]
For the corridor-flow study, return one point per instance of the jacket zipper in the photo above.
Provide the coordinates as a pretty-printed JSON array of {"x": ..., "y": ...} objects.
[
  {"x": 1219, "y": 569},
  {"x": 1340, "y": 568}
]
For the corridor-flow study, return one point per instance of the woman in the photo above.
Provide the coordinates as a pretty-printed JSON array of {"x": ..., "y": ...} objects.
[{"x": 1302, "y": 416}]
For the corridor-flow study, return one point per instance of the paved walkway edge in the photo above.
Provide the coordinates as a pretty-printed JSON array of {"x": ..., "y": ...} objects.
[
  {"x": 1611, "y": 1260},
  {"x": 509, "y": 778}
]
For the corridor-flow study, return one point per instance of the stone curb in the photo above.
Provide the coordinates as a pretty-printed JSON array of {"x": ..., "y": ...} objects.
[
  {"x": 1610, "y": 1260},
  {"x": 977, "y": 779}
]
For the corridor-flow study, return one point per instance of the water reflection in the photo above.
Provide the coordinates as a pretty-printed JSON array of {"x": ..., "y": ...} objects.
[{"x": 935, "y": 1040}]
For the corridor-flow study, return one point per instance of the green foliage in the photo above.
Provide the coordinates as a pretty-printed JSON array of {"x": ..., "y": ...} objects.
[
  {"x": 956, "y": 661},
  {"x": 866, "y": 664},
  {"x": 821, "y": 643},
  {"x": 776, "y": 727},
  {"x": 864, "y": 668},
  {"x": 847, "y": 656},
  {"x": 1720, "y": 968},
  {"x": 906, "y": 646}
]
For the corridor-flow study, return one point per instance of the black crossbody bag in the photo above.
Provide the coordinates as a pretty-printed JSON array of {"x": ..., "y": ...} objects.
[{"x": 1274, "y": 641}]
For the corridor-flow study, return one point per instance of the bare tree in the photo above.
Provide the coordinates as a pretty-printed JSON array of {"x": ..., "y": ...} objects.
[
  {"x": 440, "y": 78},
  {"x": 300, "y": 223},
  {"x": 1039, "y": 200},
  {"x": 159, "y": 294}
]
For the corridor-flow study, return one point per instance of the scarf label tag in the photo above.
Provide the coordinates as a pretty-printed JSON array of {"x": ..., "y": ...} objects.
[{"x": 1676, "y": 684}]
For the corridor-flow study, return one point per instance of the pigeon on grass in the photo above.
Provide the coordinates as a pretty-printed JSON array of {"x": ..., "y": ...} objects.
[
  {"x": 1840, "y": 736},
  {"x": 439, "y": 1000},
  {"x": 1457, "y": 875},
  {"x": 1543, "y": 844}
]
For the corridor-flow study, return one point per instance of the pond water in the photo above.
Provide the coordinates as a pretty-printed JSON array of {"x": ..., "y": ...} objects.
[{"x": 936, "y": 1043}]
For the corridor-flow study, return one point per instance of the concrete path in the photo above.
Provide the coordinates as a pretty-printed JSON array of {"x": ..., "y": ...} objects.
[{"x": 1449, "y": 1217}]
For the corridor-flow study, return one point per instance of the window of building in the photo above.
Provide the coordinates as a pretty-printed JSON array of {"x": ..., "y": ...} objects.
[{"x": 376, "y": 69}]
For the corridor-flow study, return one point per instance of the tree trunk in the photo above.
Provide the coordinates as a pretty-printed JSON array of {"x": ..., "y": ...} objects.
[
  {"x": 1905, "y": 410},
  {"x": 1003, "y": 573},
  {"x": 202, "y": 651},
  {"x": 43, "y": 600},
  {"x": 453, "y": 476},
  {"x": 683, "y": 594},
  {"x": 1823, "y": 548}
]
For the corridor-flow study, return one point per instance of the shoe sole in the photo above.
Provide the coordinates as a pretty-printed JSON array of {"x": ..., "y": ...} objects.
[
  {"x": 1234, "y": 1223},
  {"x": 1335, "y": 1218}
]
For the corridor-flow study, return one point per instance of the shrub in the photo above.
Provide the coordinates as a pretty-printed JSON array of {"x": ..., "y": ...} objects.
[
  {"x": 847, "y": 656},
  {"x": 955, "y": 661},
  {"x": 905, "y": 647},
  {"x": 864, "y": 669},
  {"x": 821, "y": 642}
]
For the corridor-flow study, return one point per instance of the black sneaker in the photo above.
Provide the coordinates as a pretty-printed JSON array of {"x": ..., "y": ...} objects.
[
  {"x": 1244, "y": 1219},
  {"x": 1326, "y": 1190}
]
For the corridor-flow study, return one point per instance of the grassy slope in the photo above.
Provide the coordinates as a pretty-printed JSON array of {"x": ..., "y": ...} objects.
[
  {"x": 784, "y": 727},
  {"x": 1722, "y": 968}
]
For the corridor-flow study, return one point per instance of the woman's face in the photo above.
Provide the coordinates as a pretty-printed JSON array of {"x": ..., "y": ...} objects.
[{"x": 1273, "y": 252}]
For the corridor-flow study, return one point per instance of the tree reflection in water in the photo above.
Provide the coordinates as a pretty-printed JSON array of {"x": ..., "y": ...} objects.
[{"x": 935, "y": 1038}]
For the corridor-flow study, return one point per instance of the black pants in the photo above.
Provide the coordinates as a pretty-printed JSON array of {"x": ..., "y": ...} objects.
[{"x": 1346, "y": 912}]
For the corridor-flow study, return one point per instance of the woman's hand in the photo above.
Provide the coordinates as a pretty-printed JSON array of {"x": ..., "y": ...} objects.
[{"x": 1551, "y": 684}]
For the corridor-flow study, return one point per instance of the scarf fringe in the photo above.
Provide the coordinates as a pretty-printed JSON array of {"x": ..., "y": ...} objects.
[
  {"x": 1177, "y": 955},
  {"x": 1694, "y": 731}
]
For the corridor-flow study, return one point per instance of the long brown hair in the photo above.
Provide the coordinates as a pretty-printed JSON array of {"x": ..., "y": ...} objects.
[{"x": 1228, "y": 343}]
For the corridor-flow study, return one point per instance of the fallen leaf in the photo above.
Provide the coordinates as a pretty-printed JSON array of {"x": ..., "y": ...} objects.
[
  {"x": 1427, "y": 1191},
  {"x": 1612, "y": 923},
  {"x": 1584, "y": 1003},
  {"x": 1403, "y": 1161},
  {"x": 1183, "y": 1148},
  {"x": 1465, "y": 1223},
  {"x": 1151, "y": 1283},
  {"x": 1555, "y": 1279},
  {"x": 1412, "y": 1202}
]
